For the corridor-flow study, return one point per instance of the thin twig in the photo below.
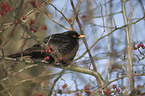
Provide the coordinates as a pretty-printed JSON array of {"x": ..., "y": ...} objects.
[
  {"x": 55, "y": 21},
  {"x": 84, "y": 40},
  {"x": 61, "y": 73},
  {"x": 108, "y": 35},
  {"x": 62, "y": 14}
]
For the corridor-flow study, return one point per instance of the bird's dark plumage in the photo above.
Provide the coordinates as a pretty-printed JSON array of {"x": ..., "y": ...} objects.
[{"x": 62, "y": 48}]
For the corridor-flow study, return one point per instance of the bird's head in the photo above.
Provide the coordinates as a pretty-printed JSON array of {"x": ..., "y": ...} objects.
[{"x": 74, "y": 34}]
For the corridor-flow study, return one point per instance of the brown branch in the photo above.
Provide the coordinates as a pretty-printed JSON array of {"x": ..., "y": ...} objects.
[
  {"x": 87, "y": 71},
  {"x": 84, "y": 40},
  {"x": 129, "y": 49},
  {"x": 70, "y": 67},
  {"x": 55, "y": 21}
]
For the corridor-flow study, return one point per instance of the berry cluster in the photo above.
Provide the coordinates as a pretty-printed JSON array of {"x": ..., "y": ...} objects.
[
  {"x": 114, "y": 90},
  {"x": 139, "y": 45},
  {"x": 87, "y": 90},
  {"x": 44, "y": 27},
  {"x": 64, "y": 86},
  {"x": 5, "y": 8},
  {"x": 31, "y": 22},
  {"x": 32, "y": 27},
  {"x": 107, "y": 91},
  {"x": 117, "y": 89},
  {"x": 34, "y": 4},
  {"x": 48, "y": 51},
  {"x": 40, "y": 94},
  {"x": 46, "y": 58}
]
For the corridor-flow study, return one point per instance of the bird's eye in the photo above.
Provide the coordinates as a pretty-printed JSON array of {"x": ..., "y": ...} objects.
[{"x": 74, "y": 36}]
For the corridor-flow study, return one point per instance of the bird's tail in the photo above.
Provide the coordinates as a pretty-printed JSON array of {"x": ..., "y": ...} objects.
[
  {"x": 27, "y": 52},
  {"x": 34, "y": 53},
  {"x": 17, "y": 55}
]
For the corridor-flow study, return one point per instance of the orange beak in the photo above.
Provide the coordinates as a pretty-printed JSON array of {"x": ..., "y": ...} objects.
[{"x": 81, "y": 36}]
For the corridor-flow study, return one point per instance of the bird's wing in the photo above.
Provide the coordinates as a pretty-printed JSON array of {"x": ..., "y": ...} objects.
[{"x": 62, "y": 46}]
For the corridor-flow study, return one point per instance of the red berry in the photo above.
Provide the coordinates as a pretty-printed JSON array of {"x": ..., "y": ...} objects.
[
  {"x": 40, "y": 3},
  {"x": 10, "y": 9},
  {"x": 7, "y": 8},
  {"x": 87, "y": 88},
  {"x": 139, "y": 86},
  {"x": 35, "y": 94},
  {"x": 107, "y": 91},
  {"x": 134, "y": 48},
  {"x": 114, "y": 86},
  {"x": 60, "y": 58},
  {"x": 6, "y": 5},
  {"x": 2, "y": 12},
  {"x": 49, "y": 50},
  {"x": 16, "y": 21},
  {"x": 2, "y": 5},
  {"x": 40, "y": 94},
  {"x": 46, "y": 50},
  {"x": 84, "y": 61},
  {"x": 35, "y": 5},
  {"x": 23, "y": 17},
  {"x": 44, "y": 27},
  {"x": 32, "y": 2},
  {"x": 50, "y": 46},
  {"x": 32, "y": 21},
  {"x": 5, "y": 13},
  {"x": 84, "y": 16},
  {"x": 143, "y": 47},
  {"x": 118, "y": 89},
  {"x": 138, "y": 45},
  {"x": 64, "y": 86},
  {"x": 77, "y": 94},
  {"x": 114, "y": 69},
  {"x": 31, "y": 28},
  {"x": 47, "y": 57},
  {"x": 70, "y": 20},
  {"x": 141, "y": 44},
  {"x": 34, "y": 29}
]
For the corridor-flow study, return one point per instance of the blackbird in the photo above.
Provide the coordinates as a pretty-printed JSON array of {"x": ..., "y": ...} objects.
[{"x": 62, "y": 48}]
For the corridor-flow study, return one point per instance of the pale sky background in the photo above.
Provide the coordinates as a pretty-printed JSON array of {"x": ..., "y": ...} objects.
[{"x": 138, "y": 35}]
